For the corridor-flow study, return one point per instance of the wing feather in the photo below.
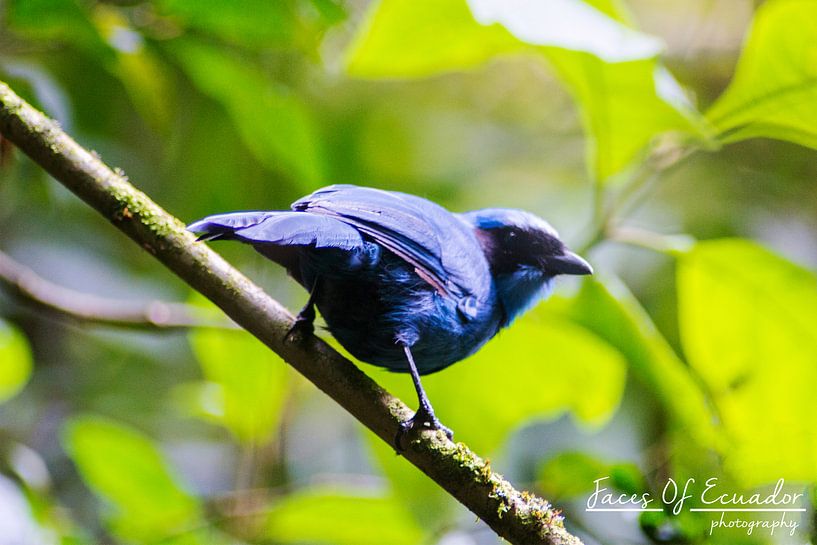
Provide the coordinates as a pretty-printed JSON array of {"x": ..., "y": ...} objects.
[
  {"x": 279, "y": 228},
  {"x": 440, "y": 246}
]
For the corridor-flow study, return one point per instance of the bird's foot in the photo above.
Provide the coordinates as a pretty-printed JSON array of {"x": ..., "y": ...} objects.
[
  {"x": 300, "y": 330},
  {"x": 423, "y": 420}
]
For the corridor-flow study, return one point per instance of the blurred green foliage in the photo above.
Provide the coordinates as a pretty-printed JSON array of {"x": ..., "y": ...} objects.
[
  {"x": 16, "y": 357},
  {"x": 124, "y": 467},
  {"x": 570, "y": 474},
  {"x": 619, "y": 123},
  {"x": 247, "y": 398},
  {"x": 274, "y": 123},
  {"x": 749, "y": 340},
  {"x": 321, "y": 515}
]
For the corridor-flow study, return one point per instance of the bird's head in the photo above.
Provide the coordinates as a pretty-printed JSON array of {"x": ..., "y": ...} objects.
[{"x": 524, "y": 253}]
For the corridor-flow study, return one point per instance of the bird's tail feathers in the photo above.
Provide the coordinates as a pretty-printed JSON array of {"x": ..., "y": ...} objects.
[
  {"x": 280, "y": 228},
  {"x": 223, "y": 226}
]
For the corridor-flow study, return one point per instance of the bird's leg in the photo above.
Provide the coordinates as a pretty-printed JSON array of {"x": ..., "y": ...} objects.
[
  {"x": 424, "y": 417},
  {"x": 304, "y": 321}
]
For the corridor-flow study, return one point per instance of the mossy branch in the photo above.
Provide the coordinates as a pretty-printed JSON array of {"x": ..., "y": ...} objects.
[{"x": 517, "y": 516}]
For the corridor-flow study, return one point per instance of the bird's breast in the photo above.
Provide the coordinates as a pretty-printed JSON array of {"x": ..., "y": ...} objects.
[{"x": 374, "y": 312}]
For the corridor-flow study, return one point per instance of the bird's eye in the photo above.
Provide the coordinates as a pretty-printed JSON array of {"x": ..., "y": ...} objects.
[{"x": 510, "y": 236}]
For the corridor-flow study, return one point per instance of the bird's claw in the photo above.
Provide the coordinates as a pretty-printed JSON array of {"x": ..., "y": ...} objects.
[
  {"x": 300, "y": 330},
  {"x": 423, "y": 420}
]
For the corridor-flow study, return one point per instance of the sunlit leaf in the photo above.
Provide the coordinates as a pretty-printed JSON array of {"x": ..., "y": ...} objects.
[
  {"x": 615, "y": 9},
  {"x": 540, "y": 367},
  {"x": 274, "y": 123},
  {"x": 626, "y": 98},
  {"x": 774, "y": 90},
  {"x": 567, "y": 24},
  {"x": 624, "y": 106},
  {"x": 413, "y": 39},
  {"x": 404, "y": 39},
  {"x": 247, "y": 383},
  {"x": 15, "y": 361},
  {"x": 748, "y": 323},
  {"x": 124, "y": 467},
  {"x": 337, "y": 516},
  {"x": 612, "y": 312}
]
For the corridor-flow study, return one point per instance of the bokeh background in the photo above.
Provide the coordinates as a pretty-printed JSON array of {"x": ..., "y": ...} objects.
[{"x": 687, "y": 182}]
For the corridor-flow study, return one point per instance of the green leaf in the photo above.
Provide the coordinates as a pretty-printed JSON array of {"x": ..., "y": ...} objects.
[
  {"x": 124, "y": 467},
  {"x": 540, "y": 367},
  {"x": 404, "y": 38},
  {"x": 331, "y": 11},
  {"x": 253, "y": 23},
  {"x": 105, "y": 34},
  {"x": 627, "y": 477},
  {"x": 135, "y": 66},
  {"x": 57, "y": 20},
  {"x": 625, "y": 106},
  {"x": 748, "y": 322},
  {"x": 572, "y": 474},
  {"x": 407, "y": 39},
  {"x": 247, "y": 383},
  {"x": 15, "y": 361},
  {"x": 774, "y": 91},
  {"x": 594, "y": 31},
  {"x": 626, "y": 98},
  {"x": 274, "y": 123},
  {"x": 610, "y": 311},
  {"x": 334, "y": 516}
]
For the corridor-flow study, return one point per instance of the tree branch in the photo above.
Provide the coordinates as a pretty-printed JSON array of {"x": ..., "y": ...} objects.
[
  {"x": 29, "y": 287},
  {"x": 518, "y": 516}
]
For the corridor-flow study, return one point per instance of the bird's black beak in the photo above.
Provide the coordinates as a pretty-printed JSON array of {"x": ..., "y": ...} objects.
[{"x": 567, "y": 263}]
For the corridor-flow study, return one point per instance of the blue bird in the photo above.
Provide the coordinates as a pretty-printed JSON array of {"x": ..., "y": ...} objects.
[{"x": 401, "y": 282}]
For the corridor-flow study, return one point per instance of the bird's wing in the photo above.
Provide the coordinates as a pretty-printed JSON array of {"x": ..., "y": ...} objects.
[
  {"x": 280, "y": 229},
  {"x": 440, "y": 246}
]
